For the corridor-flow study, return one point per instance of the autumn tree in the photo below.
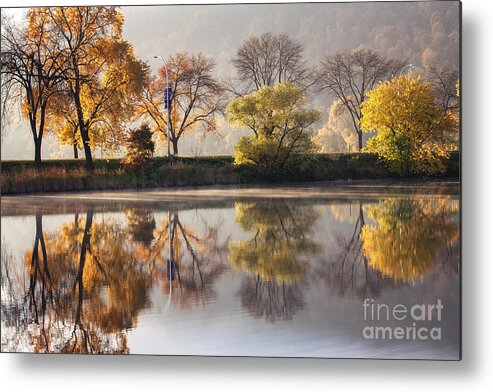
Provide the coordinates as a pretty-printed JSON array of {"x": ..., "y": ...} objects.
[
  {"x": 101, "y": 74},
  {"x": 31, "y": 67},
  {"x": 63, "y": 117},
  {"x": 269, "y": 59},
  {"x": 280, "y": 122},
  {"x": 413, "y": 135},
  {"x": 107, "y": 132},
  {"x": 197, "y": 97},
  {"x": 348, "y": 76}
]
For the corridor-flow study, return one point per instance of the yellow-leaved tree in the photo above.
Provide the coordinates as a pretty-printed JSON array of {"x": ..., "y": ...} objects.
[
  {"x": 413, "y": 134},
  {"x": 107, "y": 102},
  {"x": 280, "y": 122},
  {"x": 102, "y": 77}
]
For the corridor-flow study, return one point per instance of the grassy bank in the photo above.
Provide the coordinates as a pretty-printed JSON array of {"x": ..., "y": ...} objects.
[{"x": 20, "y": 177}]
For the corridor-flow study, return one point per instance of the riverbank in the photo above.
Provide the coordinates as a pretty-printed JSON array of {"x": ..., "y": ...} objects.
[{"x": 20, "y": 177}]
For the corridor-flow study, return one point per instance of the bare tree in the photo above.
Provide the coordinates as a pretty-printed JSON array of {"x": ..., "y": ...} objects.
[
  {"x": 349, "y": 75},
  {"x": 31, "y": 69},
  {"x": 443, "y": 80},
  {"x": 270, "y": 59}
]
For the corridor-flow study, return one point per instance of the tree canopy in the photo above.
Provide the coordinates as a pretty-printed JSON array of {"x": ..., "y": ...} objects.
[
  {"x": 413, "y": 134},
  {"x": 280, "y": 122},
  {"x": 269, "y": 59},
  {"x": 101, "y": 74},
  {"x": 139, "y": 148},
  {"x": 197, "y": 97},
  {"x": 32, "y": 68}
]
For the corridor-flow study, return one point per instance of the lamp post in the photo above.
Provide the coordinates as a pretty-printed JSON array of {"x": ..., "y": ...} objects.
[
  {"x": 167, "y": 101},
  {"x": 400, "y": 74},
  {"x": 170, "y": 267}
]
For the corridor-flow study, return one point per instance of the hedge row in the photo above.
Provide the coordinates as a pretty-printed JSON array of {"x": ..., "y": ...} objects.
[{"x": 20, "y": 177}]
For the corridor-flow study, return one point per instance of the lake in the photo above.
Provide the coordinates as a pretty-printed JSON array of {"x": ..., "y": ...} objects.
[{"x": 344, "y": 270}]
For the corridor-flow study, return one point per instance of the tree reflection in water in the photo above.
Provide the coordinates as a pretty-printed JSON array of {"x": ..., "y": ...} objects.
[
  {"x": 82, "y": 286},
  {"x": 407, "y": 236},
  {"x": 276, "y": 258},
  {"x": 392, "y": 242},
  {"x": 345, "y": 271},
  {"x": 99, "y": 288},
  {"x": 87, "y": 283},
  {"x": 198, "y": 260},
  {"x": 141, "y": 225}
]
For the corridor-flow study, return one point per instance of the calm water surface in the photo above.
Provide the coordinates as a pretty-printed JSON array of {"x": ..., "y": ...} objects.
[{"x": 279, "y": 271}]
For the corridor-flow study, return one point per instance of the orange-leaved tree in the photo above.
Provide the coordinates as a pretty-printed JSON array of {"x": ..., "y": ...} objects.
[
  {"x": 102, "y": 76},
  {"x": 197, "y": 97}
]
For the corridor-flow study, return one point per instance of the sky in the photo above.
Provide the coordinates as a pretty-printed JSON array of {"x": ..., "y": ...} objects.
[{"x": 415, "y": 32}]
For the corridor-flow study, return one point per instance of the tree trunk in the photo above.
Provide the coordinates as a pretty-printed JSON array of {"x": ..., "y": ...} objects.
[
  {"x": 174, "y": 142},
  {"x": 37, "y": 153},
  {"x": 84, "y": 132},
  {"x": 360, "y": 140},
  {"x": 87, "y": 149},
  {"x": 39, "y": 139},
  {"x": 86, "y": 243},
  {"x": 76, "y": 152}
]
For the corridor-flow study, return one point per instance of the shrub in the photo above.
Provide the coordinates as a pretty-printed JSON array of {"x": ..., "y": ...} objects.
[{"x": 139, "y": 149}]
